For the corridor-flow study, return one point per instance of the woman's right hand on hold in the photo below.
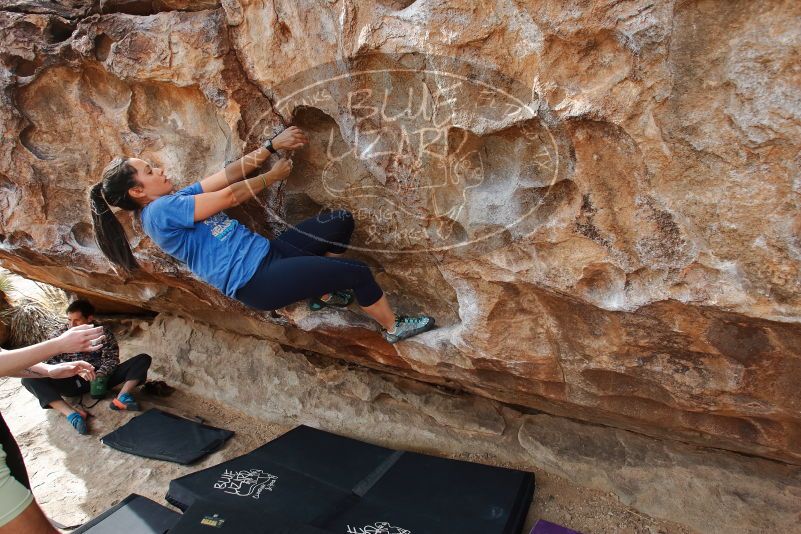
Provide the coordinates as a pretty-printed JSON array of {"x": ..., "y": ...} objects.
[
  {"x": 82, "y": 338},
  {"x": 281, "y": 169}
]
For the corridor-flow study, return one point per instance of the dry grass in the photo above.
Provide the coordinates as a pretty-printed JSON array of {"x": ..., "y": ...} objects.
[
  {"x": 31, "y": 322},
  {"x": 6, "y": 283},
  {"x": 34, "y": 317},
  {"x": 53, "y": 299},
  {"x": 7, "y": 287}
]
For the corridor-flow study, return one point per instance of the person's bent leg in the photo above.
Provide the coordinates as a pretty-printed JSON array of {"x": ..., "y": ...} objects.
[
  {"x": 326, "y": 233},
  {"x": 44, "y": 389},
  {"x": 397, "y": 328},
  {"x": 49, "y": 391},
  {"x": 382, "y": 312},
  {"x": 289, "y": 280},
  {"x": 130, "y": 373},
  {"x": 285, "y": 280},
  {"x": 62, "y": 407}
]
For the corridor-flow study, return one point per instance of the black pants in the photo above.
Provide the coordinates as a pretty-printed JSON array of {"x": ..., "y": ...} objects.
[
  {"x": 48, "y": 390},
  {"x": 295, "y": 268}
]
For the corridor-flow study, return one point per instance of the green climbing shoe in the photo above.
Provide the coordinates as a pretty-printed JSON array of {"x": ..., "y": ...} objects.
[
  {"x": 406, "y": 327},
  {"x": 339, "y": 299}
]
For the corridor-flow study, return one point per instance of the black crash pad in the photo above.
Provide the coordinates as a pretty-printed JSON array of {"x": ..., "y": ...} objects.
[
  {"x": 134, "y": 515},
  {"x": 311, "y": 484},
  {"x": 425, "y": 494},
  {"x": 339, "y": 485},
  {"x": 164, "y": 436},
  {"x": 213, "y": 517}
]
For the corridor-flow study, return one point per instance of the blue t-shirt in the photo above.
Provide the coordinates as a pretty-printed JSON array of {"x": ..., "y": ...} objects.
[{"x": 219, "y": 250}]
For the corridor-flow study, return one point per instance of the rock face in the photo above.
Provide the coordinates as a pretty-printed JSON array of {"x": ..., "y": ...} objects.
[{"x": 598, "y": 202}]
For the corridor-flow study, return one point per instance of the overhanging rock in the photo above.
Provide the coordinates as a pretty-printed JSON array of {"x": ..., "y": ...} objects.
[{"x": 653, "y": 288}]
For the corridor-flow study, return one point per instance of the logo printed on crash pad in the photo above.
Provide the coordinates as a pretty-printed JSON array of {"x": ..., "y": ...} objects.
[
  {"x": 246, "y": 483},
  {"x": 380, "y": 527},
  {"x": 212, "y": 521}
]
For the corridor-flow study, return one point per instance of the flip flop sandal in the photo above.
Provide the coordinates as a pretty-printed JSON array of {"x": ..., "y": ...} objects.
[{"x": 339, "y": 299}]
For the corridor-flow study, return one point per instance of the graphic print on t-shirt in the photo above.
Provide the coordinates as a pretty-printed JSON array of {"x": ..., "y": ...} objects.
[{"x": 221, "y": 225}]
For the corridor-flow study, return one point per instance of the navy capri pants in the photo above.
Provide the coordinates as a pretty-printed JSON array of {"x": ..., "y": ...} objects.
[{"x": 295, "y": 268}]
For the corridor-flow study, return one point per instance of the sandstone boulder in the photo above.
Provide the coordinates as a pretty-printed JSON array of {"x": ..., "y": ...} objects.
[{"x": 603, "y": 214}]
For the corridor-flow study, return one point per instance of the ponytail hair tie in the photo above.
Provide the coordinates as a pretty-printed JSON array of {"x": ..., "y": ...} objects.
[
  {"x": 105, "y": 208},
  {"x": 102, "y": 194}
]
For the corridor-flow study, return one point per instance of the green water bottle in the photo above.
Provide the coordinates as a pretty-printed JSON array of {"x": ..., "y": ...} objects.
[{"x": 98, "y": 387}]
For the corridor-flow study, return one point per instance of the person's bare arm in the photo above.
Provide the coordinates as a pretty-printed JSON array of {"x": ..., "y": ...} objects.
[
  {"x": 82, "y": 338},
  {"x": 207, "y": 204},
  {"x": 235, "y": 171},
  {"x": 290, "y": 139},
  {"x": 37, "y": 370},
  {"x": 59, "y": 370},
  {"x": 31, "y": 521}
]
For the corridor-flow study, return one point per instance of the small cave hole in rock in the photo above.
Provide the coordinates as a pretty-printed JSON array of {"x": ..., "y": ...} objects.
[
  {"x": 397, "y": 5},
  {"x": 84, "y": 235},
  {"x": 130, "y": 7},
  {"x": 26, "y": 139},
  {"x": 58, "y": 31},
  {"x": 23, "y": 67},
  {"x": 103, "y": 46}
]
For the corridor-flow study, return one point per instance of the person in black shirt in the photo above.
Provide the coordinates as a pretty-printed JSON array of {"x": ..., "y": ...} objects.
[{"x": 106, "y": 361}]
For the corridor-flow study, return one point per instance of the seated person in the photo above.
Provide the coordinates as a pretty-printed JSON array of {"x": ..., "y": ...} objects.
[{"x": 106, "y": 361}]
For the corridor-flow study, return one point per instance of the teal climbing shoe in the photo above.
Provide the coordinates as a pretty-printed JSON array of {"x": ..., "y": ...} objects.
[
  {"x": 339, "y": 299},
  {"x": 408, "y": 326},
  {"x": 124, "y": 402},
  {"x": 78, "y": 423}
]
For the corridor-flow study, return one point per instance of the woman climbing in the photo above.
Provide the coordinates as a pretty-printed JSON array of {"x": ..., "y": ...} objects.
[{"x": 265, "y": 274}]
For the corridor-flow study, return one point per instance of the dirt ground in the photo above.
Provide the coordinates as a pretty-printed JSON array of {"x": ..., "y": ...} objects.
[{"x": 76, "y": 477}]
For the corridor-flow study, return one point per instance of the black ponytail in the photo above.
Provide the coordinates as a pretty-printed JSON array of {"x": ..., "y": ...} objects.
[{"x": 118, "y": 177}]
